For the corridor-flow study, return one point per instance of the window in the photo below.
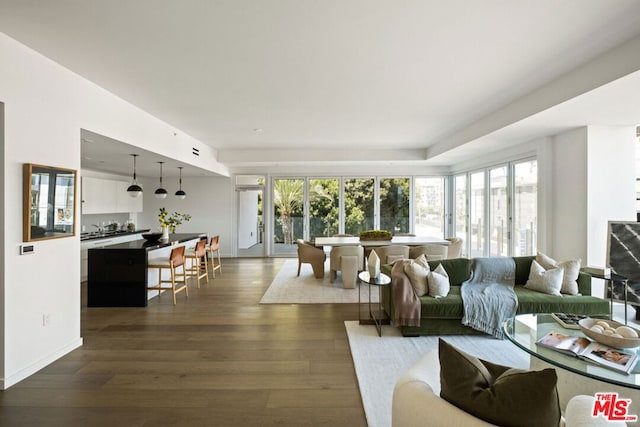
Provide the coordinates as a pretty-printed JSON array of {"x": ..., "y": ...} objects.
[
  {"x": 460, "y": 208},
  {"x": 502, "y": 210},
  {"x": 358, "y": 205},
  {"x": 324, "y": 207},
  {"x": 498, "y": 220},
  {"x": 429, "y": 206},
  {"x": 288, "y": 204},
  {"x": 394, "y": 205},
  {"x": 525, "y": 207},
  {"x": 476, "y": 216}
]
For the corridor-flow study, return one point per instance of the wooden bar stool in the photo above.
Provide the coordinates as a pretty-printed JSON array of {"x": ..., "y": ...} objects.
[
  {"x": 198, "y": 257},
  {"x": 213, "y": 247},
  {"x": 175, "y": 260}
]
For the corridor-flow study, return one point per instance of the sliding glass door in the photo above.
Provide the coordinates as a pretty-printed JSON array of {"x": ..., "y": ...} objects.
[
  {"x": 461, "y": 213},
  {"x": 525, "y": 207},
  {"x": 394, "y": 204},
  {"x": 288, "y": 214},
  {"x": 498, "y": 219},
  {"x": 359, "y": 206},
  {"x": 324, "y": 207},
  {"x": 477, "y": 216},
  {"x": 429, "y": 206}
]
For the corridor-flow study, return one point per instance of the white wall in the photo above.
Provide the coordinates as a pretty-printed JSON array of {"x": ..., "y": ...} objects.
[
  {"x": 611, "y": 181},
  {"x": 209, "y": 201},
  {"x": 46, "y": 106},
  {"x": 592, "y": 181},
  {"x": 569, "y": 195}
]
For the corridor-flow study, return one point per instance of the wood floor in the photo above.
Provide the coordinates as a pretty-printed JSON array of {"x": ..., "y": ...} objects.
[{"x": 217, "y": 359}]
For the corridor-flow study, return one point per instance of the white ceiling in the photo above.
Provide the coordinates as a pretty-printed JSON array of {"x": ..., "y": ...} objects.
[{"x": 327, "y": 75}]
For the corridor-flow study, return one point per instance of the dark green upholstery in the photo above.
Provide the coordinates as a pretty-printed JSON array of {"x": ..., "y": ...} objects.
[{"x": 442, "y": 316}]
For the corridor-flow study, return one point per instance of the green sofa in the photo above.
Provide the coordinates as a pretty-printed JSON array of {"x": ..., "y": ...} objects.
[{"x": 443, "y": 316}]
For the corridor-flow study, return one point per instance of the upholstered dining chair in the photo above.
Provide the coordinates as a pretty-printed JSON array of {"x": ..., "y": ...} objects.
[
  {"x": 309, "y": 254},
  {"x": 390, "y": 254},
  {"x": 432, "y": 252},
  {"x": 178, "y": 280},
  {"x": 348, "y": 260},
  {"x": 198, "y": 267},
  {"x": 454, "y": 250},
  {"x": 213, "y": 248}
]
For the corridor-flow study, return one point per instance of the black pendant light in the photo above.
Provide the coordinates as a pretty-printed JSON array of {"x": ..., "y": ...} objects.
[
  {"x": 180, "y": 194},
  {"x": 161, "y": 193},
  {"x": 134, "y": 189}
]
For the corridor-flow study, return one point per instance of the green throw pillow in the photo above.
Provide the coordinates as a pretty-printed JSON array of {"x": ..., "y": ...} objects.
[{"x": 498, "y": 394}]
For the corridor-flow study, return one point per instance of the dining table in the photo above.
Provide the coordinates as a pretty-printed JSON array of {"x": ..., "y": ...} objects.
[{"x": 395, "y": 240}]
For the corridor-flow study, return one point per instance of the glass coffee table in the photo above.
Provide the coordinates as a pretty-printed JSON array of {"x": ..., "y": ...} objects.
[
  {"x": 575, "y": 376},
  {"x": 525, "y": 329}
]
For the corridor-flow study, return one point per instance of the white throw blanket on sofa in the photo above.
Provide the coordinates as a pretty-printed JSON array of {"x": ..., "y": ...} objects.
[{"x": 488, "y": 297}]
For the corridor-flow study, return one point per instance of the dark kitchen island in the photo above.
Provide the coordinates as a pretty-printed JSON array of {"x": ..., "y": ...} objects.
[{"x": 118, "y": 275}]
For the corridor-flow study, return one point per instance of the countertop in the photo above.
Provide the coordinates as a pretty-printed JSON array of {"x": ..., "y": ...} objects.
[
  {"x": 109, "y": 234},
  {"x": 149, "y": 246}
]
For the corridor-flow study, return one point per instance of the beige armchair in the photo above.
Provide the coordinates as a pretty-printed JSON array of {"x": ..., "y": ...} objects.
[
  {"x": 455, "y": 248},
  {"x": 391, "y": 253},
  {"x": 309, "y": 254},
  {"x": 432, "y": 252},
  {"x": 348, "y": 260}
]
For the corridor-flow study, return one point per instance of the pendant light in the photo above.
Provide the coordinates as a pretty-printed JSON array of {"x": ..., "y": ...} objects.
[
  {"x": 134, "y": 189},
  {"x": 180, "y": 194},
  {"x": 161, "y": 193}
]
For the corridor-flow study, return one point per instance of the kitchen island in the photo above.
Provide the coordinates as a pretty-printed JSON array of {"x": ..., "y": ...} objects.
[{"x": 118, "y": 274}]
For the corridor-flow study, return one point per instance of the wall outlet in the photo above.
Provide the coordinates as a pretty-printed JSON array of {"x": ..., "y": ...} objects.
[{"x": 46, "y": 319}]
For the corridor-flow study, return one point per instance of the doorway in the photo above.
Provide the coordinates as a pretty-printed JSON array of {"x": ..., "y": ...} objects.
[{"x": 250, "y": 216}]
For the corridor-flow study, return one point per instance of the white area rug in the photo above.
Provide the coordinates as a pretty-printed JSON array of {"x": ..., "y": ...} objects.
[
  {"x": 286, "y": 288},
  {"x": 379, "y": 362}
]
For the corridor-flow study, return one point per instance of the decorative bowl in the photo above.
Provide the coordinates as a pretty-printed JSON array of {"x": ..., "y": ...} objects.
[
  {"x": 152, "y": 236},
  {"x": 617, "y": 342}
]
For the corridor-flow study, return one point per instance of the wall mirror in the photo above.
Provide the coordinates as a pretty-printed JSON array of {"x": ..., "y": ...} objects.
[{"x": 49, "y": 202}]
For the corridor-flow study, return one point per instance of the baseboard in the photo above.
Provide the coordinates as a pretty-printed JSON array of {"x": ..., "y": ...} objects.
[{"x": 7, "y": 382}]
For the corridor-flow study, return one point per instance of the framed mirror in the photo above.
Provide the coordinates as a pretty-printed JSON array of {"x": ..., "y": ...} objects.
[{"x": 49, "y": 198}]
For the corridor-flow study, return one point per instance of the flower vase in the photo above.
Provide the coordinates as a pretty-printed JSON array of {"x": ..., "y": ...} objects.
[
  {"x": 165, "y": 232},
  {"x": 373, "y": 264}
]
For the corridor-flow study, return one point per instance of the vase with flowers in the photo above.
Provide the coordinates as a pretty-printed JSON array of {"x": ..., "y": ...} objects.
[{"x": 170, "y": 222}]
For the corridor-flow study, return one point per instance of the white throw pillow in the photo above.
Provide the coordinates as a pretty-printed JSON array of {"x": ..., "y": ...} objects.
[
  {"x": 571, "y": 271},
  {"x": 417, "y": 272},
  {"x": 439, "y": 282},
  {"x": 547, "y": 281}
]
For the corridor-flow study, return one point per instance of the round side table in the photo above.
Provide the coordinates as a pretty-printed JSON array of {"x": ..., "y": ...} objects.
[{"x": 376, "y": 317}]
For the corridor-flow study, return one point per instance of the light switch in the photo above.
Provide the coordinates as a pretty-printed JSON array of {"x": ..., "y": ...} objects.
[{"x": 27, "y": 249}]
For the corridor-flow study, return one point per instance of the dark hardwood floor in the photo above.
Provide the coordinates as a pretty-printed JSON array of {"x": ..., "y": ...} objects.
[{"x": 217, "y": 359}]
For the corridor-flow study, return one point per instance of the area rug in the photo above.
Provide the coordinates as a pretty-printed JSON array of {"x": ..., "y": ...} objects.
[
  {"x": 287, "y": 288},
  {"x": 380, "y": 361}
]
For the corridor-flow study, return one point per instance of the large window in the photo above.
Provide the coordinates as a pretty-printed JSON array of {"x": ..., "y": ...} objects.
[
  {"x": 394, "y": 205},
  {"x": 429, "y": 206},
  {"x": 288, "y": 209},
  {"x": 502, "y": 209},
  {"x": 525, "y": 207},
  {"x": 324, "y": 207},
  {"x": 461, "y": 215},
  {"x": 359, "y": 208},
  {"x": 476, "y": 217},
  {"x": 498, "y": 220}
]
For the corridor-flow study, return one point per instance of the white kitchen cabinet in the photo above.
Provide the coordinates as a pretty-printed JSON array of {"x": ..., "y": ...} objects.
[{"x": 100, "y": 196}]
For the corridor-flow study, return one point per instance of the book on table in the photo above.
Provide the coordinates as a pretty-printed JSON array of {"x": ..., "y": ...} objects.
[
  {"x": 594, "y": 352},
  {"x": 567, "y": 320}
]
